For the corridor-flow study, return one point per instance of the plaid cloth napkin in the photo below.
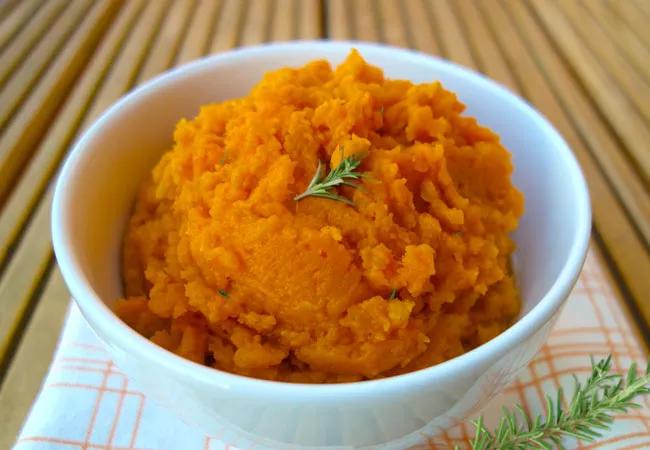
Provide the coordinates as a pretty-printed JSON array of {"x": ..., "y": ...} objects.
[{"x": 87, "y": 403}]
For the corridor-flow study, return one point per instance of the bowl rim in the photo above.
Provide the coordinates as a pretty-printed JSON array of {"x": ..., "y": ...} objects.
[{"x": 99, "y": 314}]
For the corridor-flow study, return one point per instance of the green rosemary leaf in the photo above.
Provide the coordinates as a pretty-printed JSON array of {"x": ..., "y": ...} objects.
[
  {"x": 223, "y": 293},
  {"x": 590, "y": 412},
  {"x": 550, "y": 411},
  {"x": 631, "y": 374},
  {"x": 541, "y": 444},
  {"x": 342, "y": 175},
  {"x": 522, "y": 412}
]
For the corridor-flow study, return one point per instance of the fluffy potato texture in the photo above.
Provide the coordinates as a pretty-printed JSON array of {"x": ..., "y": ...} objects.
[{"x": 222, "y": 266}]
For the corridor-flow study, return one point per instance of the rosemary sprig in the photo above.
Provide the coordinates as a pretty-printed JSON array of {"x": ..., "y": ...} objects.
[
  {"x": 341, "y": 175},
  {"x": 590, "y": 411},
  {"x": 393, "y": 294}
]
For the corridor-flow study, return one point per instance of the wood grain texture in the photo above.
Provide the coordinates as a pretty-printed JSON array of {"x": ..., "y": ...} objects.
[
  {"x": 339, "y": 21},
  {"x": 60, "y": 135},
  {"x": 612, "y": 103},
  {"x": 643, "y": 7},
  {"x": 255, "y": 29},
  {"x": 637, "y": 23},
  {"x": 622, "y": 73},
  {"x": 32, "y": 119},
  {"x": 488, "y": 57},
  {"x": 29, "y": 36},
  {"x": 21, "y": 82},
  {"x": 392, "y": 25},
  {"x": 284, "y": 20},
  {"x": 366, "y": 25},
  {"x": 453, "y": 42},
  {"x": 419, "y": 29},
  {"x": 29, "y": 367},
  {"x": 199, "y": 34},
  {"x": 14, "y": 19},
  {"x": 309, "y": 19},
  {"x": 6, "y": 7},
  {"x": 21, "y": 278},
  {"x": 174, "y": 31},
  {"x": 168, "y": 40},
  {"x": 603, "y": 145},
  {"x": 229, "y": 23},
  {"x": 626, "y": 40},
  {"x": 583, "y": 63},
  {"x": 128, "y": 63}
]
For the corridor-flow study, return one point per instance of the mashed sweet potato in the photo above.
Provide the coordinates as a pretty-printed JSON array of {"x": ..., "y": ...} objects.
[{"x": 222, "y": 266}]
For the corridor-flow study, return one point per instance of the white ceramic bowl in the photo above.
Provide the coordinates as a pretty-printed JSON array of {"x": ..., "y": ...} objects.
[{"x": 96, "y": 189}]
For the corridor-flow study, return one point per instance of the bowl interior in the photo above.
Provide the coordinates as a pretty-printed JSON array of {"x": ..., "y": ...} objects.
[{"x": 116, "y": 154}]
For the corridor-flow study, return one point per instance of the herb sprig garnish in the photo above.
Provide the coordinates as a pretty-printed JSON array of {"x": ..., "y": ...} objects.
[
  {"x": 589, "y": 412},
  {"x": 341, "y": 175}
]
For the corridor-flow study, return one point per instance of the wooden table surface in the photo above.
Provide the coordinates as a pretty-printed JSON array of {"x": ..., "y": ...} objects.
[{"x": 584, "y": 64}]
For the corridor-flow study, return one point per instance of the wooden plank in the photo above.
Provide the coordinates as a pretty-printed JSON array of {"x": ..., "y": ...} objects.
[
  {"x": 228, "y": 26},
  {"x": 421, "y": 34},
  {"x": 32, "y": 358},
  {"x": 169, "y": 40},
  {"x": 617, "y": 30},
  {"x": 393, "y": 23},
  {"x": 309, "y": 23},
  {"x": 199, "y": 35},
  {"x": 623, "y": 244},
  {"x": 13, "y": 54},
  {"x": 611, "y": 102},
  {"x": 15, "y": 20},
  {"x": 15, "y": 90},
  {"x": 489, "y": 59},
  {"x": 6, "y": 7},
  {"x": 629, "y": 14},
  {"x": 643, "y": 7},
  {"x": 54, "y": 144},
  {"x": 610, "y": 57},
  {"x": 33, "y": 119},
  {"x": 284, "y": 20},
  {"x": 21, "y": 278},
  {"x": 34, "y": 250},
  {"x": 129, "y": 62},
  {"x": 339, "y": 20},
  {"x": 453, "y": 42},
  {"x": 604, "y": 147},
  {"x": 293, "y": 19},
  {"x": 256, "y": 25},
  {"x": 366, "y": 26}
]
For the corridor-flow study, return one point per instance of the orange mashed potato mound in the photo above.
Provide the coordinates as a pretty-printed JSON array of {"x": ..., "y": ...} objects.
[{"x": 222, "y": 266}]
